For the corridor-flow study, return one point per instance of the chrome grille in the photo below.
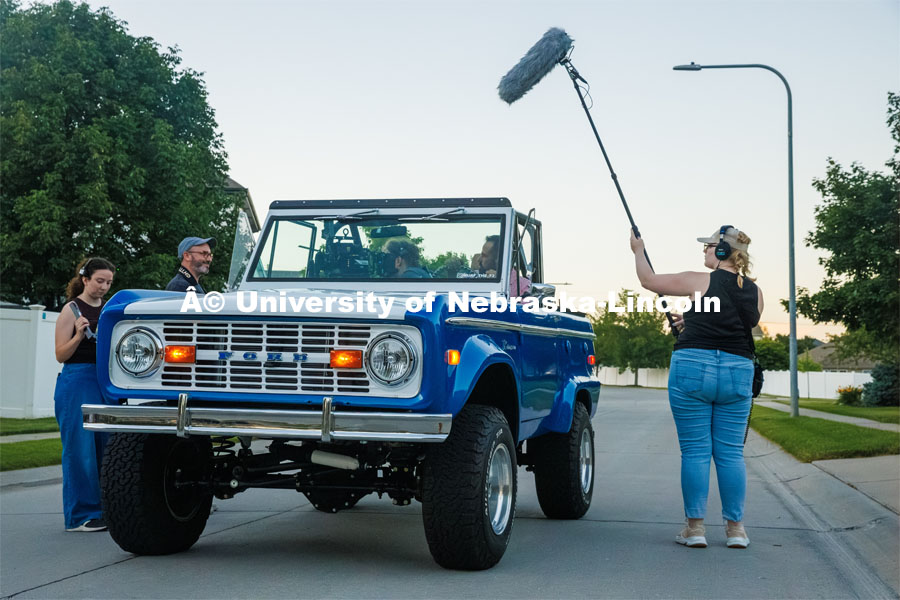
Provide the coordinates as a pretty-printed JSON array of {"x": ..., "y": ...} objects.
[{"x": 252, "y": 343}]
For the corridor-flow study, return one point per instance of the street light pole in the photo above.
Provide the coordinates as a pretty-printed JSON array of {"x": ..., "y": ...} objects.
[{"x": 792, "y": 302}]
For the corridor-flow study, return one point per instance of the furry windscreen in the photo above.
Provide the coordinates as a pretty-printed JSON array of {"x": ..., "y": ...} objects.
[{"x": 536, "y": 63}]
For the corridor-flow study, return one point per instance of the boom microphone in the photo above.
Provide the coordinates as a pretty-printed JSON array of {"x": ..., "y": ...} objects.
[
  {"x": 552, "y": 49},
  {"x": 537, "y": 62}
]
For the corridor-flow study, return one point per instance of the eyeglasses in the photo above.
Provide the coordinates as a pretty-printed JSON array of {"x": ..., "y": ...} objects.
[
  {"x": 708, "y": 246},
  {"x": 203, "y": 254}
]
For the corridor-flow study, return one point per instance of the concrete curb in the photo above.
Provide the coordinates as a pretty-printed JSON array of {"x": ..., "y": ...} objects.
[
  {"x": 862, "y": 535},
  {"x": 31, "y": 477}
]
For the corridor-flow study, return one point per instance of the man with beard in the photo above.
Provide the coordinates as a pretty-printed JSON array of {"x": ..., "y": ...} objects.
[{"x": 196, "y": 256}]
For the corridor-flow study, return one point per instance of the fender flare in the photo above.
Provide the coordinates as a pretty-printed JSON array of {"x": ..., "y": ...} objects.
[
  {"x": 560, "y": 418},
  {"x": 478, "y": 354}
]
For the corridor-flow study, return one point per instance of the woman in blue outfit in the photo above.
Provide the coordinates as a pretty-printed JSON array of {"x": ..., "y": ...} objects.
[
  {"x": 76, "y": 347},
  {"x": 711, "y": 377}
]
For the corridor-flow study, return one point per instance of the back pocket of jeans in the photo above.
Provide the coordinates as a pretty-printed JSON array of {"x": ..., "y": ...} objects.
[
  {"x": 742, "y": 379},
  {"x": 688, "y": 378}
]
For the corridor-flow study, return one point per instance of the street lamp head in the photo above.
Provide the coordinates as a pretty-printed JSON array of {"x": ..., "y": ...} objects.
[{"x": 690, "y": 67}]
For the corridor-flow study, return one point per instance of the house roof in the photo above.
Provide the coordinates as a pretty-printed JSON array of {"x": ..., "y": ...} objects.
[
  {"x": 232, "y": 186},
  {"x": 826, "y": 356}
]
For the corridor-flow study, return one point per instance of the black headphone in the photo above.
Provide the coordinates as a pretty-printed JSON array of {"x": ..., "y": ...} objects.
[{"x": 723, "y": 248}]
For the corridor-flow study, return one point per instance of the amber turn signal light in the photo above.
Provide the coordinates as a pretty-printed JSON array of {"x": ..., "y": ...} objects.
[
  {"x": 181, "y": 354},
  {"x": 452, "y": 357},
  {"x": 346, "y": 359},
  {"x": 591, "y": 359}
]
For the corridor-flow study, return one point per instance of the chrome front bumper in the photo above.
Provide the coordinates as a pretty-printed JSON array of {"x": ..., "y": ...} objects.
[{"x": 325, "y": 425}]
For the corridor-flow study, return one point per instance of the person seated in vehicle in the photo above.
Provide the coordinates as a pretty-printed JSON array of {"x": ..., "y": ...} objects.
[
  {"x": 401, "y": 259},
  {"x": 487, "y": 261}
]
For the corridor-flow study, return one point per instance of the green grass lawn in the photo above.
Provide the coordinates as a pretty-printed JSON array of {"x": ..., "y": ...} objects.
[
  {"x": 25, "y": 455},
  {"x": 883, "y": 414},
  {"x": 16, "y": 426},
  {"x": 810, "y": 439}
]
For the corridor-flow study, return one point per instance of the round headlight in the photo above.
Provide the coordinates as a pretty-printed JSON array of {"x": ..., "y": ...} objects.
[
  {"x": 390, "y": 358},
  {"x": 139, "y": 352}
]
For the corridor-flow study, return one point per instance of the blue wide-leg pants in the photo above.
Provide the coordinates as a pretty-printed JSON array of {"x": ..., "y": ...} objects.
[{"x": 82, "y": 450}]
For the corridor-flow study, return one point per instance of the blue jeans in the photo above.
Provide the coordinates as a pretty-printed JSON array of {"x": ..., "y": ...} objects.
[
  {"x": 710, "y": 395},
  {"x": 82, "y": 450}
]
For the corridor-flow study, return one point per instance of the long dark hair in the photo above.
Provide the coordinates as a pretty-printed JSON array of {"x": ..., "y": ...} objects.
[{"x": 86, "y": 268}]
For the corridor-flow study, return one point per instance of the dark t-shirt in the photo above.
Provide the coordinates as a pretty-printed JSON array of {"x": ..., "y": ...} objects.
[
  {"x": 86, "y": 351},
  {"x": 182, "y": 281},
  {"x": 416, "y": 273},
  {"x": 723, "y": 330}
]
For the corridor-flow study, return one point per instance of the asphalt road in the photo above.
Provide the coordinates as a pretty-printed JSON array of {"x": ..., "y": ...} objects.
[{"x": 273, "y": 544}]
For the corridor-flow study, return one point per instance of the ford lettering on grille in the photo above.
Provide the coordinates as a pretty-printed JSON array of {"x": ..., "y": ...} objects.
[{"x": 270, "y": 356}]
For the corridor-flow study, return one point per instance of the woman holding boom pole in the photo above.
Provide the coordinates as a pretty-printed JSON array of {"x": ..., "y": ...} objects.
[{"x": 711, "y": 376}]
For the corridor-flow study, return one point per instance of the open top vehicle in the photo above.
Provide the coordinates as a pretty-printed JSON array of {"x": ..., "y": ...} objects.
[{"x": 359, "y": 352}]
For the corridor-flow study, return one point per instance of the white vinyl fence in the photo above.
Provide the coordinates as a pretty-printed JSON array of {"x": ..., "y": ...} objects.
[
  {"x": 28, "y": 366},
  {"x": 822, "y": 384}
]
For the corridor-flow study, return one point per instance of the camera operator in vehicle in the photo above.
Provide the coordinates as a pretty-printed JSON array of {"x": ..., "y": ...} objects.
[{"x": 401, "y": 259}]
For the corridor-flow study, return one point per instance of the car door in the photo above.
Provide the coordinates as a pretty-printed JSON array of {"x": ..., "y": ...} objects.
[{"x": 540, "y": 350}]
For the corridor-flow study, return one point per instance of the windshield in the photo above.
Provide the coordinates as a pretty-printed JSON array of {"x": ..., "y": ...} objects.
[{"x": 364, "y": 247}]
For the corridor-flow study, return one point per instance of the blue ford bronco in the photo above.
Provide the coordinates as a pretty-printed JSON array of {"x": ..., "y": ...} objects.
[{"x": 369, "y": 346}]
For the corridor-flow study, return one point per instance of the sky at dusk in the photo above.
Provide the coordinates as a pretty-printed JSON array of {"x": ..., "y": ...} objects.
[{"x": 320, "y": 100}]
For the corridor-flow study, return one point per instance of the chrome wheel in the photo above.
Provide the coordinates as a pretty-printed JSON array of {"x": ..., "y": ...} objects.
[
  {"x": 586, "y": 460},
  {"x": 499, "y": 488}
]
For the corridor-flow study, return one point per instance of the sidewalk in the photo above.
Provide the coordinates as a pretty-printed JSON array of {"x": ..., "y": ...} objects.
[
  {"x": 818, "y": 414},
  {"x": 878, "y": 477},
  {"x": 27, "y": 437}
]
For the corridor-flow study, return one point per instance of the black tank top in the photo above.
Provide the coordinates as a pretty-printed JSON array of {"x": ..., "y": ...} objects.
[
  {"x": 86, "y": 352},
  {"x": 722, "y": 330}
]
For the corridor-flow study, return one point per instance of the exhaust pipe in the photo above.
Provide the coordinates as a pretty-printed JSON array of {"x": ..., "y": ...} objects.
[{"x": 330, "y": 459}]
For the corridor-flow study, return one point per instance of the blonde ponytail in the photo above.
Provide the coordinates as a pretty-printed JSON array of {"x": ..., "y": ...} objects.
[{"x": 741, "y": 260}]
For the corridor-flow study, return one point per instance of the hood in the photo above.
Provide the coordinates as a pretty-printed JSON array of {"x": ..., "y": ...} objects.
[{"x": 306, "y": 303}]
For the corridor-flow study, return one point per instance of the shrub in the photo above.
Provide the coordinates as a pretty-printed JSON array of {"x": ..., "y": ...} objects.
[
  {"x": 772, "y": 355},
  {"x": 884, "y": 389},
  {"x": 851, "y": 396},
  {"x": 804, "y": 364}
]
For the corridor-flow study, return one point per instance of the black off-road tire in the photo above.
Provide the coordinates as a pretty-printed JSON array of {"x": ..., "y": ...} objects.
[
  {"x": 558, "y": 469},
  {"x": 455, "y": 492},
  {"x": 145, "y": 513},
  {"x": 333, "y": 501}
]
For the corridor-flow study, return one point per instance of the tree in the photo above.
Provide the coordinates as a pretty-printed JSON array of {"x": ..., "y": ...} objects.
[
  {"x": 607, "y": 333},
  {"x": 806, "y": 364},
  {"x": 632, "y": 340},
  {"x": 447, "y": 265},
  {"x": 109, "y": 149},
  {"x": 884, "y": 389},
  {"x": 772, "y": 355},
  {"x": 804, "y": 344},
  {"x": 857, "y": 225}
]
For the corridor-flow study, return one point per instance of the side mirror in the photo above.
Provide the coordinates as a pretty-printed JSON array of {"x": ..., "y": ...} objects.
[{"x": 542, "y": 290}]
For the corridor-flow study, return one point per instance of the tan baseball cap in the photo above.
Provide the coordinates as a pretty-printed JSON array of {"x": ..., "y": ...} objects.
[{"x": 731, "y": 236}]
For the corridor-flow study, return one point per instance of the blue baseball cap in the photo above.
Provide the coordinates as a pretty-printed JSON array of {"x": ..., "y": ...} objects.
[{"x": 189, "y": 242}]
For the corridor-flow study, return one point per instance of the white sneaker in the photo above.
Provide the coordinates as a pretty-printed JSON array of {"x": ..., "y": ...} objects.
[
  {"x": 735, "y": 535},
  {"x": 692, "y": 537},
  {"x": 90, "y": 525}
]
